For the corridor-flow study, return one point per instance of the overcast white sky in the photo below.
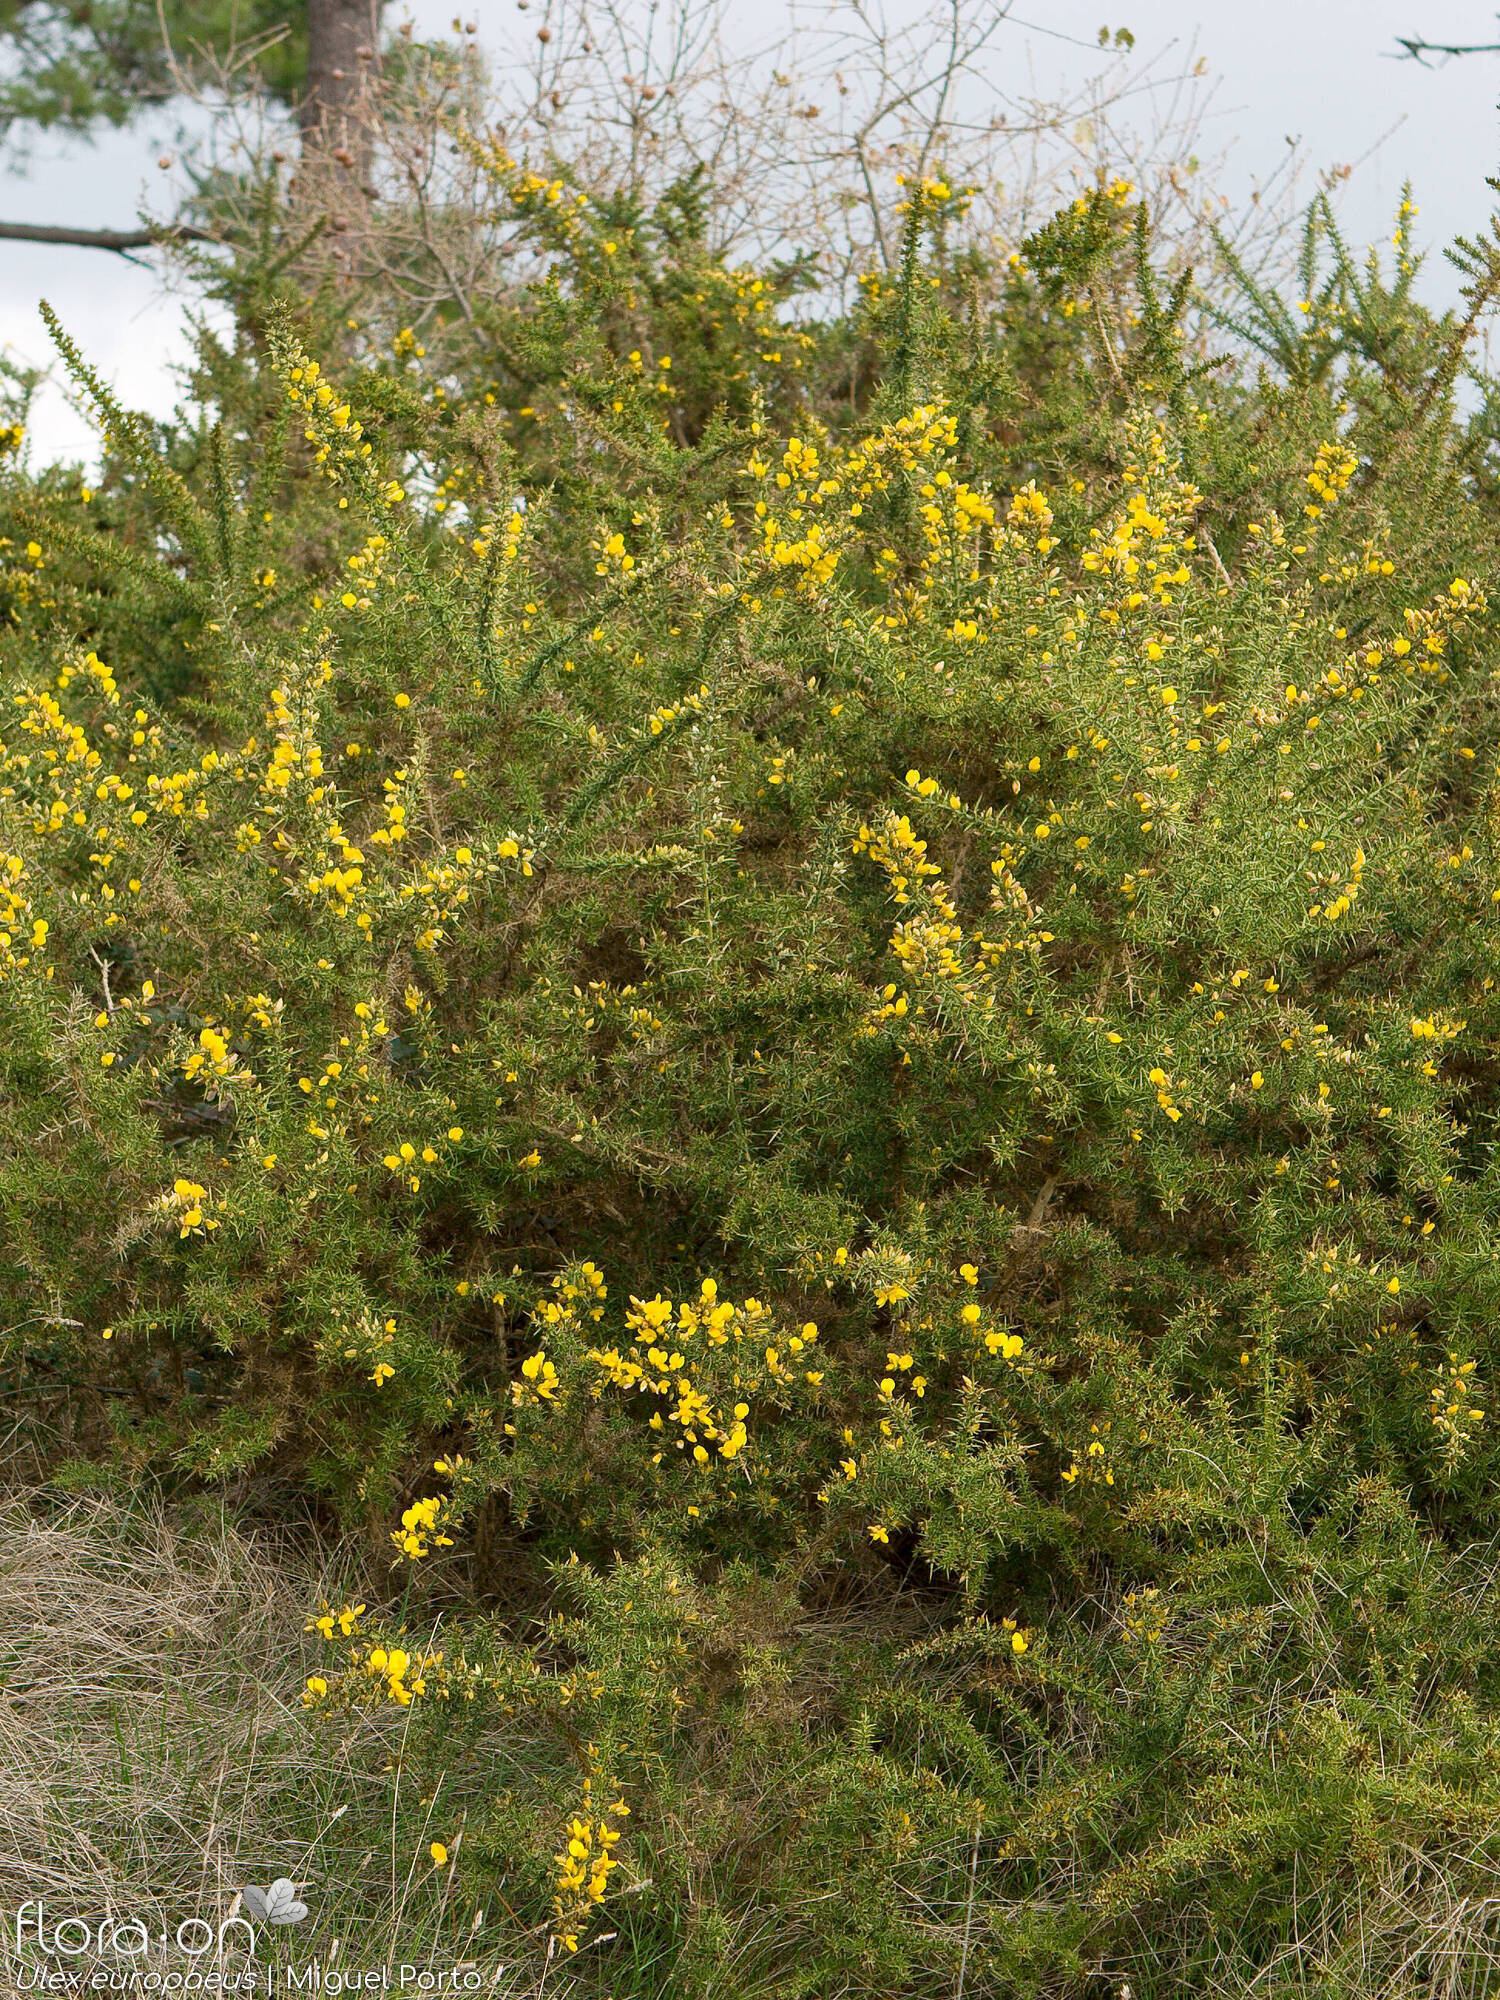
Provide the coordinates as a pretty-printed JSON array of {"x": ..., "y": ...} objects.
[{"x": 1317, "y": 71}]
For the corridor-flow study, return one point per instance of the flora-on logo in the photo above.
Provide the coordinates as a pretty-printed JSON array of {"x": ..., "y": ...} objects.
[
  {"x": 276, "y": 1905},
  {"x": 123, "y": 1937}
]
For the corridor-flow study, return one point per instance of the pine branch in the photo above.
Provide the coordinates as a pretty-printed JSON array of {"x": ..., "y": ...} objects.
[
  {"x": 121, "y": 241},
  {"x": 1413, "y": 48}
]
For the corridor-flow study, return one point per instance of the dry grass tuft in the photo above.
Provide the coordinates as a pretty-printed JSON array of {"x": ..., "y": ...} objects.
[
  {"x": 149, "y": 1707},
  {"x": 155, "y": 1756}
]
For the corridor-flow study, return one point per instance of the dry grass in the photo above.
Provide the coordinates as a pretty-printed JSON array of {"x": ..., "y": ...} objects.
[
  {"x": 146, "y": 1676},
  {"x": 154, "y": 1752}
]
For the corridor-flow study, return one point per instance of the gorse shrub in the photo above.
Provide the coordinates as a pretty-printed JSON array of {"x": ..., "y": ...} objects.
[{"x": 807, "y": 1010}]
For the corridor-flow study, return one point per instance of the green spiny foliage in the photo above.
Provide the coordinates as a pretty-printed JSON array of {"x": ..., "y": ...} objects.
[{"x": 807, "y": 1009}]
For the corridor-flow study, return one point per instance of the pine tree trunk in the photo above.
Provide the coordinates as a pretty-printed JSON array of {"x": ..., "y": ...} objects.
[{"x": 342, "y": 39}]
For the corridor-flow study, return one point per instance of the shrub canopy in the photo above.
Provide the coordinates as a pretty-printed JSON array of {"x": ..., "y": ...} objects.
[{"x": 807, "y": 1009}]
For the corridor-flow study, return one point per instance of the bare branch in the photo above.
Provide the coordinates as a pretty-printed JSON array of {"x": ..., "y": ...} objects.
[
  {"x": 1413, "y": 48},
  {"x": 122, "y": 241}
]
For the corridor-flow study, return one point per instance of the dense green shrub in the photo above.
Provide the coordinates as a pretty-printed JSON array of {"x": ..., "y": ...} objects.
[{"x": 807, "y": 1008}]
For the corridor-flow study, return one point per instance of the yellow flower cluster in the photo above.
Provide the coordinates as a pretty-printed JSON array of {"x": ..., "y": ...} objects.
[
  {"x": 1340, "y": 904},
  {"x": 694, "y": 1362},
  {"x": 538, "y": 1381},
  {"x": 185, "y": 1203},
  {"x": 1331, "y": 472},
  {"x": 369, "y": 568},
  {"x": 375, "y": 1673},
  {"x": 1143, "y": 1615},
  {"x": 1435, "y": 1029},
  {"x": 545, "y": 197},
  {"x": 340, "y": 448},
  {"x": 422, "y": 1528},
  {"x": 1091, "y": 1464},
  {"x": 213, "y": 1056},
  {"x": 585, "y": 1865},
  {"x": 293, "y": 713},
  {"x": 512, "y": 536},
  {"x": 18, "y": 924},
  {"x": 1028, "y": 509},
  {"x": 581, "y": 1287},
  {"x": 1147, "y": 535},
  {"x": 389, "y": 1670},
  {"x": 813, "y": 506},
  {"x": 941, "y": 965},
  {"x": 614, "y": 554},
  {"x": 347, "y": 1619},
  {"x": 1452, "y": 1411}
]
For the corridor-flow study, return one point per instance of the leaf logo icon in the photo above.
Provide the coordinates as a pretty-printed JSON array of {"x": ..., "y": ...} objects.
[{"x": 276, "y": 1905}]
